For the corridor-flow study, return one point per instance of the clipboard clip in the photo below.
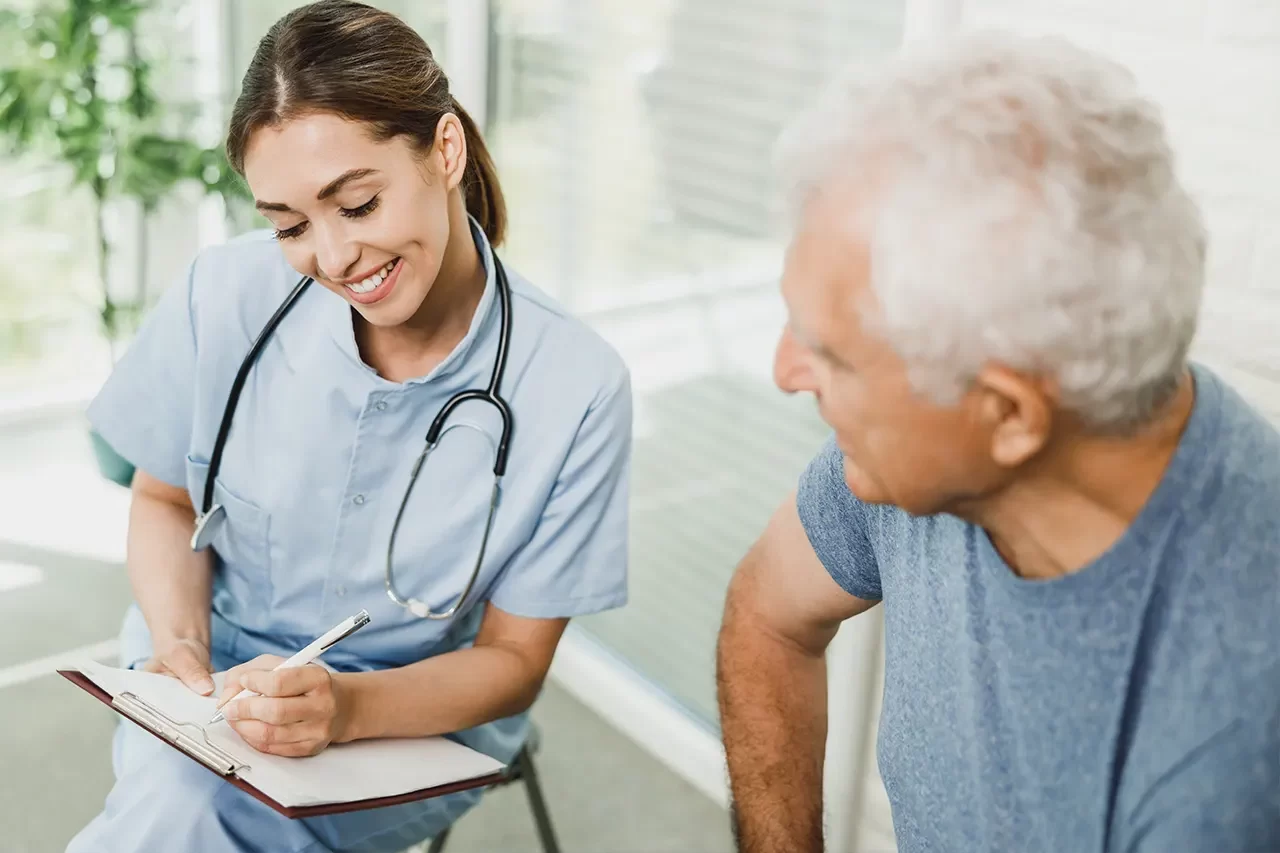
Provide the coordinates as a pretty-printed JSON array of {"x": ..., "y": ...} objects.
[{"x": 179, "y": 734}]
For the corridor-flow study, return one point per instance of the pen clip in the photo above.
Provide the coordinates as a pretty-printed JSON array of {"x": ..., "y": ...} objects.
[{"x": 361, "y": 619}]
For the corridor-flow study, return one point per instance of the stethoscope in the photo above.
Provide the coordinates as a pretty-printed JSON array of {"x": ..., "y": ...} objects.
[{"x": 213, "y": 516}]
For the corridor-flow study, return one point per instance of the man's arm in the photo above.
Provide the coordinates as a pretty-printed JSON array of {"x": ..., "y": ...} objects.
[{"x": 782, "y": 611}]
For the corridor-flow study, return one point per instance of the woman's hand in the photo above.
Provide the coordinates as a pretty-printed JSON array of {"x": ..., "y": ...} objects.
[
  {"x": 186, "y": 660},
  {"x": 298, "y": 711}
]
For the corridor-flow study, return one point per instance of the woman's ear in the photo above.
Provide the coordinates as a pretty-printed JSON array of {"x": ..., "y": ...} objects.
[{"x": 451, "y": 150}]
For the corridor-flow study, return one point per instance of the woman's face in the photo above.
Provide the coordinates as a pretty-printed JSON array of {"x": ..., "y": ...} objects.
[{"x": 368, "y": 220}]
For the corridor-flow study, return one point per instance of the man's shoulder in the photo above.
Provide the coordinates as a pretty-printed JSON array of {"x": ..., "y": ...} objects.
[
  {"x": 823, "y": 496},
  {"x": 1209, "y": 660},
  {"x": 1226, "y": 542},
  {"x": 1244, "y": 445},
  {"x": 859, "y": 542}
]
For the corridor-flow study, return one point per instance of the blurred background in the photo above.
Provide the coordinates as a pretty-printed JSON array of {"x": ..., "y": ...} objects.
[{"x": 633, "y": 141}]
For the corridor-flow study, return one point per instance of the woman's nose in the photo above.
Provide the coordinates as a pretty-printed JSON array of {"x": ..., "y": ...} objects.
[{"x": 336, "y": 256}]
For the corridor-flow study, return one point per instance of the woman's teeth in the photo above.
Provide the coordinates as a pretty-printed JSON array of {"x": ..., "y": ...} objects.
[{"x": 374, "y": 280}]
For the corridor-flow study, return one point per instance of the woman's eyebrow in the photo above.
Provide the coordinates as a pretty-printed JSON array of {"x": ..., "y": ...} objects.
[
  {"x": 342, "y": 180},
  {"x": 329, "y": 189}
]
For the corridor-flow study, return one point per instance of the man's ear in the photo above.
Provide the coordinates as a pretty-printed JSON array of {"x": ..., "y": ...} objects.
[{"x": 1019, "y": 411}]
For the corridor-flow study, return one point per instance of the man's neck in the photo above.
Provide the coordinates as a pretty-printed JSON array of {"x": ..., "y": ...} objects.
[{"x": 1081, "y": 498}]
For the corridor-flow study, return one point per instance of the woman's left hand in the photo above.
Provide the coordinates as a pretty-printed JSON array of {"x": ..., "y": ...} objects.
[{"x": 298, "y": 711}]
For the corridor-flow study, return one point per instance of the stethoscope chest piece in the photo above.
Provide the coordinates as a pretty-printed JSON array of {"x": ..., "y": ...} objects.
[{"x": 207, "y": 527}]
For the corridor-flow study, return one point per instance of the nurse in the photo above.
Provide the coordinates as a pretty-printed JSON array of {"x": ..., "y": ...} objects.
[{"x": 379, "y": 187}]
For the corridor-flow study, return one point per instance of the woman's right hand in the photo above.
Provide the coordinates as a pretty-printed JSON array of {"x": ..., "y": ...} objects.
[{"x": 186, "y": 660}]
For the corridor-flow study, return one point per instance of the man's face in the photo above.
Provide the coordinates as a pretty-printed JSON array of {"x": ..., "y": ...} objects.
[{"x": 898, "y": 447}]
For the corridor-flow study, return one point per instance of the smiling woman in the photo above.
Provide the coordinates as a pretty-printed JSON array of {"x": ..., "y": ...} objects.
[
  {"x": 322, "y": 178},
  {"x": 378, "y": 187}
]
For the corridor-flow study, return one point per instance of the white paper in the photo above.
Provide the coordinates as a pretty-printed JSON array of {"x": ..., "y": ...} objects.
[{"x": 340, "y": 773}]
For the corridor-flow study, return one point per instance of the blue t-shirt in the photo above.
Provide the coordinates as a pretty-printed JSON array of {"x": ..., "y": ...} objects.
[{"x": 1130, "y": 707}]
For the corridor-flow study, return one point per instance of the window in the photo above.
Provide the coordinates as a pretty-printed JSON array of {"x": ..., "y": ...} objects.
[
  {"x": 634, "y": 141},
  {"x": 51, "y": 335},
  {"x": 48, "y": 277}
]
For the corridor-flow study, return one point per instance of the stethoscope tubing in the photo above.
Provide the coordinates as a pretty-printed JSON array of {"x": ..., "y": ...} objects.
[{"x": 209, "y": 511}]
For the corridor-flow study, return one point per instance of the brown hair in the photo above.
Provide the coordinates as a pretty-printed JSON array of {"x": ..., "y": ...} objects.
[{"x": 367, "y": 65}]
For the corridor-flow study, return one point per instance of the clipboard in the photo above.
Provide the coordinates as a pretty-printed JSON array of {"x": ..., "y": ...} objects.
[{"x": 197, "y": 747}]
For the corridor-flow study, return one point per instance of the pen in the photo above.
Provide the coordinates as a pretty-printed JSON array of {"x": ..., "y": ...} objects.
[{"x": 322, "y": 644}]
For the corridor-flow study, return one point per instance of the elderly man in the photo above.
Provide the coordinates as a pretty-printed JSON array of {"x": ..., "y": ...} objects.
[{"x": 1075, "y": 532}]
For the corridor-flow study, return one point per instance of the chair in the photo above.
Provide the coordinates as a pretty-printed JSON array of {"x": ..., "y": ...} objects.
[
  {"x": 520, "y": 770},
  {"x": 111, "y": 465}
]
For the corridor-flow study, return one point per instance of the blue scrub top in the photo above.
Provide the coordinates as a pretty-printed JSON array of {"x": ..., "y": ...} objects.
[{"x": 321, "y": 450}]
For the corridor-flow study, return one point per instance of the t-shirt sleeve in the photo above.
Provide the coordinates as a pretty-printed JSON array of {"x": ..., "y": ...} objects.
[
  {"x": 576, "y": 561},
  {"x": 1223, "y": 796},
  {"x": 836, "y": 524},
  {"x": 144, "y": 411}
]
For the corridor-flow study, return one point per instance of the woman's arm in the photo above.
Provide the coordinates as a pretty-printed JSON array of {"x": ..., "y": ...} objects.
[
  {"x": 171, "y": 583},
  {"x": 499, "y": 676},
  {"x": 574, "y": 564},
  {"x": 301, "y": 711}
]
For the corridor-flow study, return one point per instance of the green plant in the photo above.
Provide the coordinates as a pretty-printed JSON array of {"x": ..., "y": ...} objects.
[{"x": 76, "y": 85}]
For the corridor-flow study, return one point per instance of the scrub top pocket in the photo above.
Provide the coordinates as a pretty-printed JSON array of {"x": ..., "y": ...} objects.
[{"x": 242, "y": 544}]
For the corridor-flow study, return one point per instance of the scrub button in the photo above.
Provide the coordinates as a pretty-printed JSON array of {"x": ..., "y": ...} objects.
[
  {"x": 381, "y": 406},
  {"x": 358, "y": 500},
  {"x": 340, "y": 591}
]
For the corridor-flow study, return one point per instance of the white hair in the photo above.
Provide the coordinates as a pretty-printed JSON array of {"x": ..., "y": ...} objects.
[{"x": 1021, "y": 207}]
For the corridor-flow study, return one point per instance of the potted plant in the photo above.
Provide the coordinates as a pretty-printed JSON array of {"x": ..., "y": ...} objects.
[{"x": 75, "y": 84}]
